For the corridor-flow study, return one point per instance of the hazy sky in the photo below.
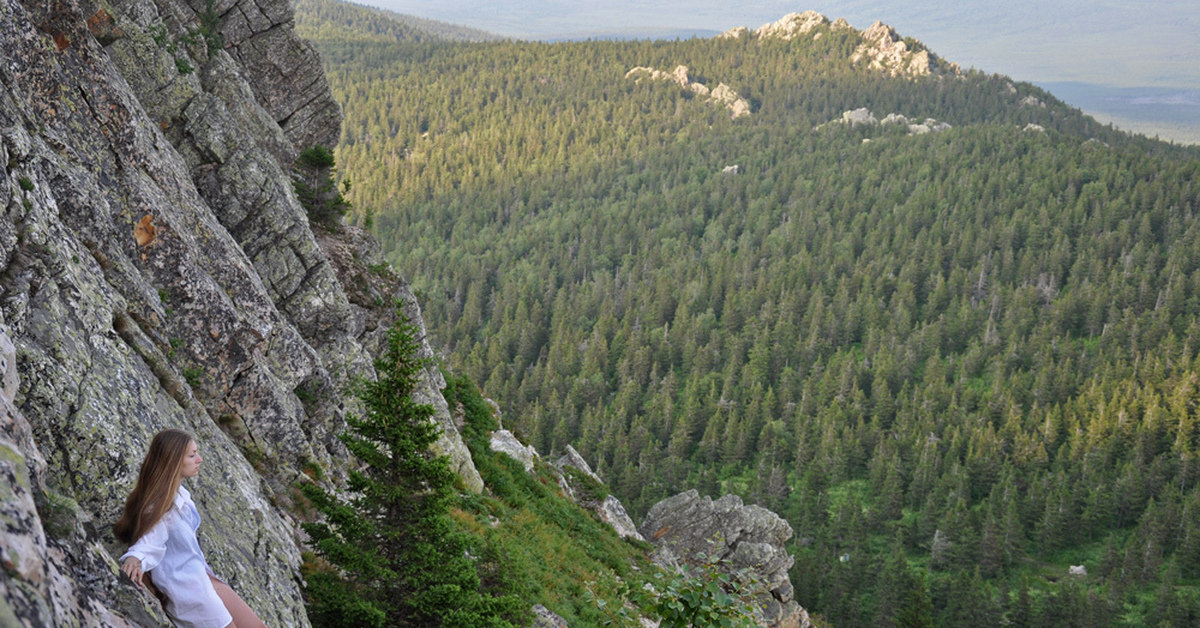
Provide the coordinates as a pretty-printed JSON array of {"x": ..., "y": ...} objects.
[{"x": 1125, "y": 43}]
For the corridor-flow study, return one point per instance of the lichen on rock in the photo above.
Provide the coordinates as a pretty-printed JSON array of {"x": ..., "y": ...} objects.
[{"x": 741, "y": 537}]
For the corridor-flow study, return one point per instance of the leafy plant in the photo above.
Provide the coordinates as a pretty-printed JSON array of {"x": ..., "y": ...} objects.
[
  {"x": 192, "y": 375},
  {"x": 703, "y": 596}
]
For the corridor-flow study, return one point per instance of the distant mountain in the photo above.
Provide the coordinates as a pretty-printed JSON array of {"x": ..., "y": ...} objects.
[{"x": 345, "y": 21}]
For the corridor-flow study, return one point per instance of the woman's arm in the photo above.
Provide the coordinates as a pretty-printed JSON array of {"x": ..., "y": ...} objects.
[{"x": 147, "y": 552}]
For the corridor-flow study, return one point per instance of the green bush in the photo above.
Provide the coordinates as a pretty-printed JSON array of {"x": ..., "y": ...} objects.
[{"x": 702, "y": 597}]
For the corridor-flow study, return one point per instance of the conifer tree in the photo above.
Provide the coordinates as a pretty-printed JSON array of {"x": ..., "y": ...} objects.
[
  {"x": 317, "y": 188},
  {"x": 393, "y": 557}
]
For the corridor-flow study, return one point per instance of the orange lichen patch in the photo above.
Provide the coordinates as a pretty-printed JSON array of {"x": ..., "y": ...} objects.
[
  {"x": 664, "y": 530},
  {"x": 60, "y": 41},
  {"x": 104, "y": 28},
  {"x": 144, "y": 231}
]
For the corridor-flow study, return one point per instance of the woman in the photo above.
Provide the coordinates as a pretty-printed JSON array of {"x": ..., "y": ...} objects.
[{"x": 160, "y": 521}]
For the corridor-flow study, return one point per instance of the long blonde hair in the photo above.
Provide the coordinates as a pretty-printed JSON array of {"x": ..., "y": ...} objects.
[{"x": 157, "y": 483}]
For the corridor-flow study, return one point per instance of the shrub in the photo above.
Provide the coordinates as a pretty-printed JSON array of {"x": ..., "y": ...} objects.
[{"x": 700, "y": 597}]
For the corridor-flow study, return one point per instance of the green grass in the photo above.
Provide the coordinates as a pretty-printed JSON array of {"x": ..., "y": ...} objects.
[{"x": 549, "y": 548}]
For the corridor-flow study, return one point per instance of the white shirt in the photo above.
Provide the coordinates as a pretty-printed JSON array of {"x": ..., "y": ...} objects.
[{"x": 171, "y": 551}]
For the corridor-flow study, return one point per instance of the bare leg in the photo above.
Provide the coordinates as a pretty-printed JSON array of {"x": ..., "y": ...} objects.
[{"x": 243, "y": 616}]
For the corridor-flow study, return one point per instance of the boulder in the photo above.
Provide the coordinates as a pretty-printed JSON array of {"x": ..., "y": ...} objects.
[
  {"x": 505, "y": 442},
  {"x": 740, "y": 536},
  {"x": 858, "y": 116},
  {"x": 546, "y": 618}
]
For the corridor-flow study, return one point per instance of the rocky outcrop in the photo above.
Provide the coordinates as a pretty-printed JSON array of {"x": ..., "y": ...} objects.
[
  {"x": 858, "y": 116},
  {"x": 612, "y": 512},
  {"x": 863, "y": 116},
  {"x": 505, "y": 442},
  {"x": 792, "y": 25},
  {"x": 1032, "y": 101},
  {"x": 742, "y": 537},
  {"x": 580, "y": 484},
  {"x": 573, "y": 460},
  {"x": 736, "y": 32},
  {"x": 721, "y": 95},
  {"x": 156, "y": 271},
  {"x": 725, "y": 95},
  {"x": 545, "y": 618},
  {"x": 879, "y": 47}
]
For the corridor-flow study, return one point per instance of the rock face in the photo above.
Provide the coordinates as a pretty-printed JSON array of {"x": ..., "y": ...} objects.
[
  {"x": 883, "y": 49},
  {"x": 505, "y": 442},
  {"x": 792, "y": 25},
  {"x": 721, "y": 95},
  {"x": 748, "y": 537},
  {"x": 156, "y": 271},
  {"x": 612, "y": 512}
]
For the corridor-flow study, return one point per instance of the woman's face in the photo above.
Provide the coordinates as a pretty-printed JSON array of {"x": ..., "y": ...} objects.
[{"x": 191, "y": 461}]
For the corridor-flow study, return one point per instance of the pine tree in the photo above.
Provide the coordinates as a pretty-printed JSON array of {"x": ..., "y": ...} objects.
[{"x": 393, "y": 557}]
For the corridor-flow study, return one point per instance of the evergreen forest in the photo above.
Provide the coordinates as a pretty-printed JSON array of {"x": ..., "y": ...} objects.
[{"x": 957, "y": 362}]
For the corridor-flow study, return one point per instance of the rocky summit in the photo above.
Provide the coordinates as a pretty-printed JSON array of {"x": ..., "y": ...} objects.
[{"x": 156, "y": 270}]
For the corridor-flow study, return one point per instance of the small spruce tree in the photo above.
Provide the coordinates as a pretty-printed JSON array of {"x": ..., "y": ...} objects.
[
  {"x": 316, "y": 187},
  {"x": 390, "y": 555}
]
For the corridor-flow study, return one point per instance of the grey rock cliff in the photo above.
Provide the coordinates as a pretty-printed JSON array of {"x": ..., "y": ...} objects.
[
  {"x": 746, "y": 537},
  {"x": 156, "y": 271}
]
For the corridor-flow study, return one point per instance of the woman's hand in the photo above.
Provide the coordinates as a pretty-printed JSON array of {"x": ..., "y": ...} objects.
[{"x": 133, "y": 568}]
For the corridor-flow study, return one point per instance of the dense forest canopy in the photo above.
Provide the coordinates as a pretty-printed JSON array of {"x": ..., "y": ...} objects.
[{"x": 957, "y": 362}]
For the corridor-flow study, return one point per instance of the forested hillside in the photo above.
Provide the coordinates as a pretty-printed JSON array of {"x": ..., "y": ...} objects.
[{"x": 956, "y": 362}]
